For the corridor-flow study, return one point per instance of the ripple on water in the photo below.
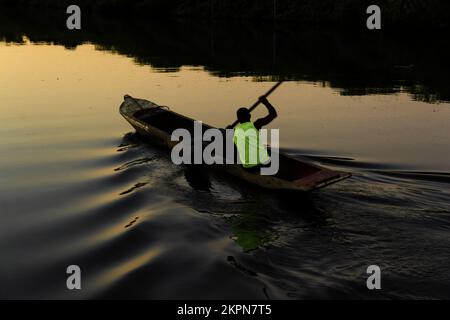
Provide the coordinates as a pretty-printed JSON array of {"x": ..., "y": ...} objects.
[{"x": 141, "y": 227}]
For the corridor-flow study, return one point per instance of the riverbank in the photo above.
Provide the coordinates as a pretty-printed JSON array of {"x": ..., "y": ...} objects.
[{"x": 356, "y": 63}]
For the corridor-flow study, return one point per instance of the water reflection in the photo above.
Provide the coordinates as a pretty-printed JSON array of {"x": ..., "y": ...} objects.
[
  {"x": 73, "y": 191},
  {"x": 197, "y": 177},
  {"x": 355, "y": 63}
]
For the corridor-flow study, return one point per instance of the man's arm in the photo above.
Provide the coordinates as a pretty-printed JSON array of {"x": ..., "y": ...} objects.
[{"x": 267, "y": 119}]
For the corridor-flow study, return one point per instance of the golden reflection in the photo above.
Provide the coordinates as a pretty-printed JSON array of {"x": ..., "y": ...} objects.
[
  {"x": 51, "y": 91},
  {"x": 117, "y": 272}
]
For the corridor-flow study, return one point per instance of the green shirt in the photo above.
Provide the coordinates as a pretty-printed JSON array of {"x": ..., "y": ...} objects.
[{"x": 251, "y": 151}]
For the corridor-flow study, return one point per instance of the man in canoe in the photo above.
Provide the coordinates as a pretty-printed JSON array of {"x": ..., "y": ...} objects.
[{"x": 252, "y": 152}]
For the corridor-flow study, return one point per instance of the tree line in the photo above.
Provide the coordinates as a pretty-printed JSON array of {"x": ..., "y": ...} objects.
[{"x": 422, "y": 13}]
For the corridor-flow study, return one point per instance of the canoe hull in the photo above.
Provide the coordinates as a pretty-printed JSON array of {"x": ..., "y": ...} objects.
[{"x": 318, "y": 177}]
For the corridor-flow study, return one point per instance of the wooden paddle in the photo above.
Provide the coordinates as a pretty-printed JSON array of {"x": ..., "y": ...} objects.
[{"x": 258, "y": 102}]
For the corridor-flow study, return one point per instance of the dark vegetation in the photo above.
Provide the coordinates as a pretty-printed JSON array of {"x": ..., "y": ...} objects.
[
  {"x": 413, "y": 13},
  {"x": 355, "y": 61}
]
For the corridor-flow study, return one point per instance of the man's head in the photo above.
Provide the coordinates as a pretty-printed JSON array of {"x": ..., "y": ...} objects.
[{"x": 243, "y": 115}]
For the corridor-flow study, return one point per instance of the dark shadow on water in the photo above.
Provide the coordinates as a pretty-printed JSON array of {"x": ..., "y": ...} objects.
[
  {"x": 254, "y": 218},
  {"x": 354, "y": 62},
  {"x": 197, "y": 177},
  {"x": 253, "y": 214}
]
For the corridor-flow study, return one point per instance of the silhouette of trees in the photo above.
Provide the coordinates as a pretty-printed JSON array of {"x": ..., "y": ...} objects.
[{"x": 434, "y": 13}]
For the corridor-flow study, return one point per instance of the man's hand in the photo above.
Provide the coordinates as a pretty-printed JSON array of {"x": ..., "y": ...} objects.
[{"x": 263, "y": 100}]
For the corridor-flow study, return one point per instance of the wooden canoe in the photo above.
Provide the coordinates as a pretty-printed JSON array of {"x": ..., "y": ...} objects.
[{"x": 156, "y": 124}]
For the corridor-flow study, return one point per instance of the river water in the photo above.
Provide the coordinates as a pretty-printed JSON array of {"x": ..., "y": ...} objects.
[{"x": 78, "y": 187}]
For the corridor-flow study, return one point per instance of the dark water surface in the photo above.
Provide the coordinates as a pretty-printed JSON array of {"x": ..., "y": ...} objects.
[{"x": 78, "y": 187}]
